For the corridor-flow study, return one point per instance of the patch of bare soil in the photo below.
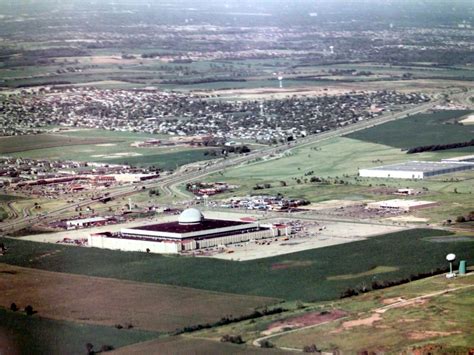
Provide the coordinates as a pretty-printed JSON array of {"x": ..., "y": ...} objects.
[
  {"x": 426, "y": 334},
  {"x": 393, "y": 300},
  {"x": 364, "y": 321},
  {"x": 305, "y": 320}
]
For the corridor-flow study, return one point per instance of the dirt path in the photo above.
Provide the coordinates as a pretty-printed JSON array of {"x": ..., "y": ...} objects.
[{"x": 372, "y": 315}]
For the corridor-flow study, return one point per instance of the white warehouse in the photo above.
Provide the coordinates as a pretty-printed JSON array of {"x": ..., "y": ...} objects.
[{"x": 415, "y": 169}]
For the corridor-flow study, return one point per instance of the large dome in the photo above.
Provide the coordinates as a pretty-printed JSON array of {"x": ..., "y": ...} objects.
[{"x": 190, "y": 216}]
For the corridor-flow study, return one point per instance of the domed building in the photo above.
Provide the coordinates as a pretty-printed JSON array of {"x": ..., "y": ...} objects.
[
  {"x": 191, "y": 231},
  {"x": 190, "y": 216}
]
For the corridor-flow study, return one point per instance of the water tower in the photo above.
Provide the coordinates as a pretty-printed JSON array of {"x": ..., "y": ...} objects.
[{"x": 450, "y": 258}]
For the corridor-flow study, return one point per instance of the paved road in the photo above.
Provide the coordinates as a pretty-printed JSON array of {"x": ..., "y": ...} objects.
[{"x": 170, "y": 183}]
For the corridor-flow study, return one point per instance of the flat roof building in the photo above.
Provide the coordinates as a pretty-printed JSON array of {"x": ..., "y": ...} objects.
[
  {"x": 415, "y": 169},
  {"x": 190, "y": 232},
  {"x": 401, "y": 205}
]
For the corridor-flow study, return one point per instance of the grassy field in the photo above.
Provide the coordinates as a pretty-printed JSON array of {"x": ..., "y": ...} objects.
[
  {"x": 41, "y": 141},
  {"x": 3, "y": 214},
  {"x": 102, "y": 146},
  {"x": 339, "y": 159},
  {"x": 306, "y": 278},
  {"x": 445, "y": 320},
  {"x": 420, "y": 130},
  {"x": 440, "y": 319},
  {"x": 20, "y": 334},
  {"x": 184, "y": 346},
  {"x": 152, "y": 307}
]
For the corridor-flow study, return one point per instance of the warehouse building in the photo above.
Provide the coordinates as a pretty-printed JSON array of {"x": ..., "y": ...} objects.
[
  {"x": 401, "y": 205},
  {"x": 190, "y": 232},
  {"x": 415, "y": 169}
]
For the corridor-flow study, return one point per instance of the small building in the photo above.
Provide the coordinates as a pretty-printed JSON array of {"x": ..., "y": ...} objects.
[
  {"x": 86, "y": 222},
  {"x": 415, "y": 169}
]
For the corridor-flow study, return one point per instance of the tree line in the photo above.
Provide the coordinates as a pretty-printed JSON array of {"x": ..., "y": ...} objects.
[{"x": 435, "y": 147}]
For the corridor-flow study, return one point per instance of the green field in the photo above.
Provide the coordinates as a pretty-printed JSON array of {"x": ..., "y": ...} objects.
[
  {"x": 419, "y": 130},
  {"x": 102, "y": 146},
  {"x": 338, "y": 159},
  {"x": 20, "y": 334},
  {"x": 25, "y": 143},
  {"x": 184, "y": 346},
  {"x": 165, "y": 161},
  {"x": 305, "y": 278}
]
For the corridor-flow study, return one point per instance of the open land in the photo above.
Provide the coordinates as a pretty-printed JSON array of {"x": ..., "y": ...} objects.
[
  {"x": 336, "y": 162},
  {"x": 85, "y": 299},
  {"x": 429, "y": 314},
  {"x": 438, "y": 128},
  {"x": 14, "y": 144},
  {"x": 20, "y": 334},
  {"x": 85, "y": 82},
  {"x": 415, "y": 253},
  {"x": 102, "y": 147},
  {"x": 442, "y": 320},
  {"x": 184, "y": 345}
]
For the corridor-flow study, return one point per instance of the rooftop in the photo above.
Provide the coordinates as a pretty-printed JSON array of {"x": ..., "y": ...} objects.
[
  {"x": 176, "y": 227},
  {"x": 423, "y": 166}
]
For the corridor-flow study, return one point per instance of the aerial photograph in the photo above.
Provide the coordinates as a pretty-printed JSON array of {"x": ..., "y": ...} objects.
[{"x": 236, "y": 177}]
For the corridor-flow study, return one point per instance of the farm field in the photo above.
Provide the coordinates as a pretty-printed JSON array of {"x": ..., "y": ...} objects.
[
  {"x": 392, "y": 320},
  {"x": 435, "y": 128},
  {"x": 105, "y": 147},
  {"x": 21, "y": 334},
  {"x": 186, "y": 345},
  {"x": 152, "y": 307},
  {"x": 304, "y": 276},
  {"x": 42, "y": 141}
]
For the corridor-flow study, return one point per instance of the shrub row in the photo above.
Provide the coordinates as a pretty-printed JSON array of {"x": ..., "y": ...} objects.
[
  {"x": 435, "y": 147},
  {"x": 229, "y": 319},
  {"x": 378, "y": 285}
]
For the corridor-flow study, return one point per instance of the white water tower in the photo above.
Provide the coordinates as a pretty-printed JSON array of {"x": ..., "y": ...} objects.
[
  {"x": 450, "y": 258},
  {"x": 280, "y": 80}
]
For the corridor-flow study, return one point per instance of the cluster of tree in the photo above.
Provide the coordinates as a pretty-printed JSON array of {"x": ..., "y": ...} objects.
[
  {"x": 230, "y": 319},
  {"x": 44, "y": 83},
  {"x": 126, "y": 326},
  {"x": 242, "y": 149},
  {"x": 262, "y": 186},
  {"x": 234, "y": 339},
  {"x": 435, "y": 147},
  {"x": 266, "y": 344},
  {"x": 28, "y": 309},
  {"x": 201, "y": 81},
  {"x": 378, "y": 285},
  {"x": 155, "y": 192},
  {"x": 311, "y": 349},
  {"x": 468, "y": 218},
  {"x": 103, "y": 348}
]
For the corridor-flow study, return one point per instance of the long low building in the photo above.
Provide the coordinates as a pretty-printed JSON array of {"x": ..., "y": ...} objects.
[
  {"x": 190, "y": 232},
  {"x": 415, "y": 169},
  {"x": 401, "y": 205}
]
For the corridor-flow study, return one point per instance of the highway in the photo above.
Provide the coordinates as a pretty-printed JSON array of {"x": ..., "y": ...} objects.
[{"x": 169, "y": 183}]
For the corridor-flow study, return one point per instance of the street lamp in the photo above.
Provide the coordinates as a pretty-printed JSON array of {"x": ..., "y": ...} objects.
[{"x": 450, "y": 257}]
